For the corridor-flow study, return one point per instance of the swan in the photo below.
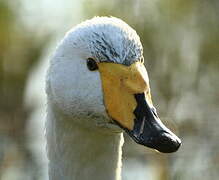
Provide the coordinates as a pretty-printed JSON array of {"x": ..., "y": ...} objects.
[{"x": 97, "y": 88}]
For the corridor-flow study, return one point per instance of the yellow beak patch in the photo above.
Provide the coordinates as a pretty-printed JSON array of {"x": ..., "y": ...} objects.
[{"x": 120, "y": 83}]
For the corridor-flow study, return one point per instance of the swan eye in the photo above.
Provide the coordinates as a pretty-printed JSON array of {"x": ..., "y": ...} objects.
[
  {"x": 91, "y": 64},
  {"x": 142, "y": 60}
]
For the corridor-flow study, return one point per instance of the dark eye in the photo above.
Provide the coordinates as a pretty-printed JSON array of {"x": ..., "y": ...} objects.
[
  {"x": 91, "y": 64},
  {"x": 142, "y": 60}
]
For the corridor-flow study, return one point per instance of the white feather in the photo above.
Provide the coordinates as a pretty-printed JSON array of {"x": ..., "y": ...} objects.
[{"x": 81, "y": 142}]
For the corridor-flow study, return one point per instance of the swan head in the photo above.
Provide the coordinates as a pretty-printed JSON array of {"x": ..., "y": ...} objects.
[{"x": 97, "y": 78}]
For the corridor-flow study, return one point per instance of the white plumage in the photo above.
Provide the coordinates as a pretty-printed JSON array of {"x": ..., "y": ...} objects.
[
  {"x": 81, "y": 143},
  {"x": 81, "y": 140}
]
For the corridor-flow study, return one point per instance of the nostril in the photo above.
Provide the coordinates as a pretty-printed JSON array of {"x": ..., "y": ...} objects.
[{"x": 154, "y": 112}]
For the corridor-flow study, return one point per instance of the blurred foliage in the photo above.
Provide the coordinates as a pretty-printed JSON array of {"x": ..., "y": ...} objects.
[
  {"x": 181, "y": 50},
  {"x": 19, "y": 50}
]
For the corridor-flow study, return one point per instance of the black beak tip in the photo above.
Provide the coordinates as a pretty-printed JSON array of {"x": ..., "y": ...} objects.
[{"x": 167, "y": 143}]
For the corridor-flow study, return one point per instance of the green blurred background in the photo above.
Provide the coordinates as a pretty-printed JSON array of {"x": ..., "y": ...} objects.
[{"x": 181, "y": 50}]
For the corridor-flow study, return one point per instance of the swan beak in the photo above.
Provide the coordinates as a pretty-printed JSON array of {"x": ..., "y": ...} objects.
[{"x": 128, "y": 102}]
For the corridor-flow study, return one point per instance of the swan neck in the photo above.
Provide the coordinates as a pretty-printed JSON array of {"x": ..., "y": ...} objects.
[{"x": 81, "y": 153}]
